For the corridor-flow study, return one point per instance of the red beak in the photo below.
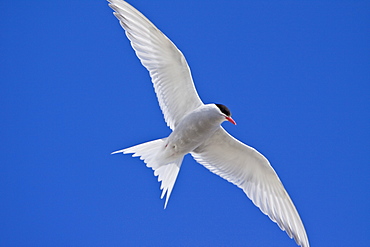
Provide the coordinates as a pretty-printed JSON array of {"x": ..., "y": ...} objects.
[{"x": 231, "y": 120}]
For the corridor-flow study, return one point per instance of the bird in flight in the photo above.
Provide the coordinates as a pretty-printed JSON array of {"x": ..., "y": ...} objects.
[{"x": 196, "y": 128}]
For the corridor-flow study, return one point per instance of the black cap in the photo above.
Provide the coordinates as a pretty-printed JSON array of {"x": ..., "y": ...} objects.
[{"x": 224, "y": 109}]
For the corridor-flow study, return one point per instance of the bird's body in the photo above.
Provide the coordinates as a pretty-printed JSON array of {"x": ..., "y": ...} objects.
[{"x": 196, "y": 129}]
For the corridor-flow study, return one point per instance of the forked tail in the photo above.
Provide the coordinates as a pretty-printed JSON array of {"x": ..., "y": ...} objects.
[{"x": 166, "y": 171}]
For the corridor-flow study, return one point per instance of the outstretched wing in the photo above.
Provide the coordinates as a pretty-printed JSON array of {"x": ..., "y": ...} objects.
[
  {"x": 251, "y": 171},
  {"x": 166, "y": 64}
]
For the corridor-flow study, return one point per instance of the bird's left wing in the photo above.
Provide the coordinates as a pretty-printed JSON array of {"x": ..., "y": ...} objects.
[
  {"x": 166, "y": 64},
  {"x": 248, "y": 169}
]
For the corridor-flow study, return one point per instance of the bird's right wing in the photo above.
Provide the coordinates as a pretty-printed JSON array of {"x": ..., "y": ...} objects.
[
  {"x": 251, "y": 171},
  {"x": 166, "y": 64}
]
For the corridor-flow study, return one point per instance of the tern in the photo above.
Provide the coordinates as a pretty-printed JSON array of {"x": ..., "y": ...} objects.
[{"x": 196, "y": 128}]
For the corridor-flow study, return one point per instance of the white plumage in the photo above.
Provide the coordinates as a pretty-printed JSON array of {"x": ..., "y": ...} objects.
[{"x": 196, "y": 129}]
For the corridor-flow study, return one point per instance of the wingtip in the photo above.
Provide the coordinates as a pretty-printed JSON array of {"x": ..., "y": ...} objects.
[{"x": 119, "y": 151}]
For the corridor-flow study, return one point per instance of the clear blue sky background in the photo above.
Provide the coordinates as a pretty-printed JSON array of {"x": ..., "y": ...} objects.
[{"x": 295, "y": 74}]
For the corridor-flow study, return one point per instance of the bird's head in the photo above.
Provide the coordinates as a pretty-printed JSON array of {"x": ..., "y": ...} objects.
[{"x": 225, "y": 112}]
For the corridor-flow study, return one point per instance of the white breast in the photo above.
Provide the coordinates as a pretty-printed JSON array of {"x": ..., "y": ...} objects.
[{"x": 194, "y": 129}]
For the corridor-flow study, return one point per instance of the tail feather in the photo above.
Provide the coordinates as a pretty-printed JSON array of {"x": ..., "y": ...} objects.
[
  {"x": 168, "y": 174},
  {"x": 166, "y": 171}
]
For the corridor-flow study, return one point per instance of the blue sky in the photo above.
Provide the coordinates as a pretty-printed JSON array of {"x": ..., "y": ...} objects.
[{"x": 295, "y": 75}]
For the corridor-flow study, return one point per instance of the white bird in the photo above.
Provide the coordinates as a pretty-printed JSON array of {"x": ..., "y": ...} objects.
[{"x": 196, "y": 128}]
